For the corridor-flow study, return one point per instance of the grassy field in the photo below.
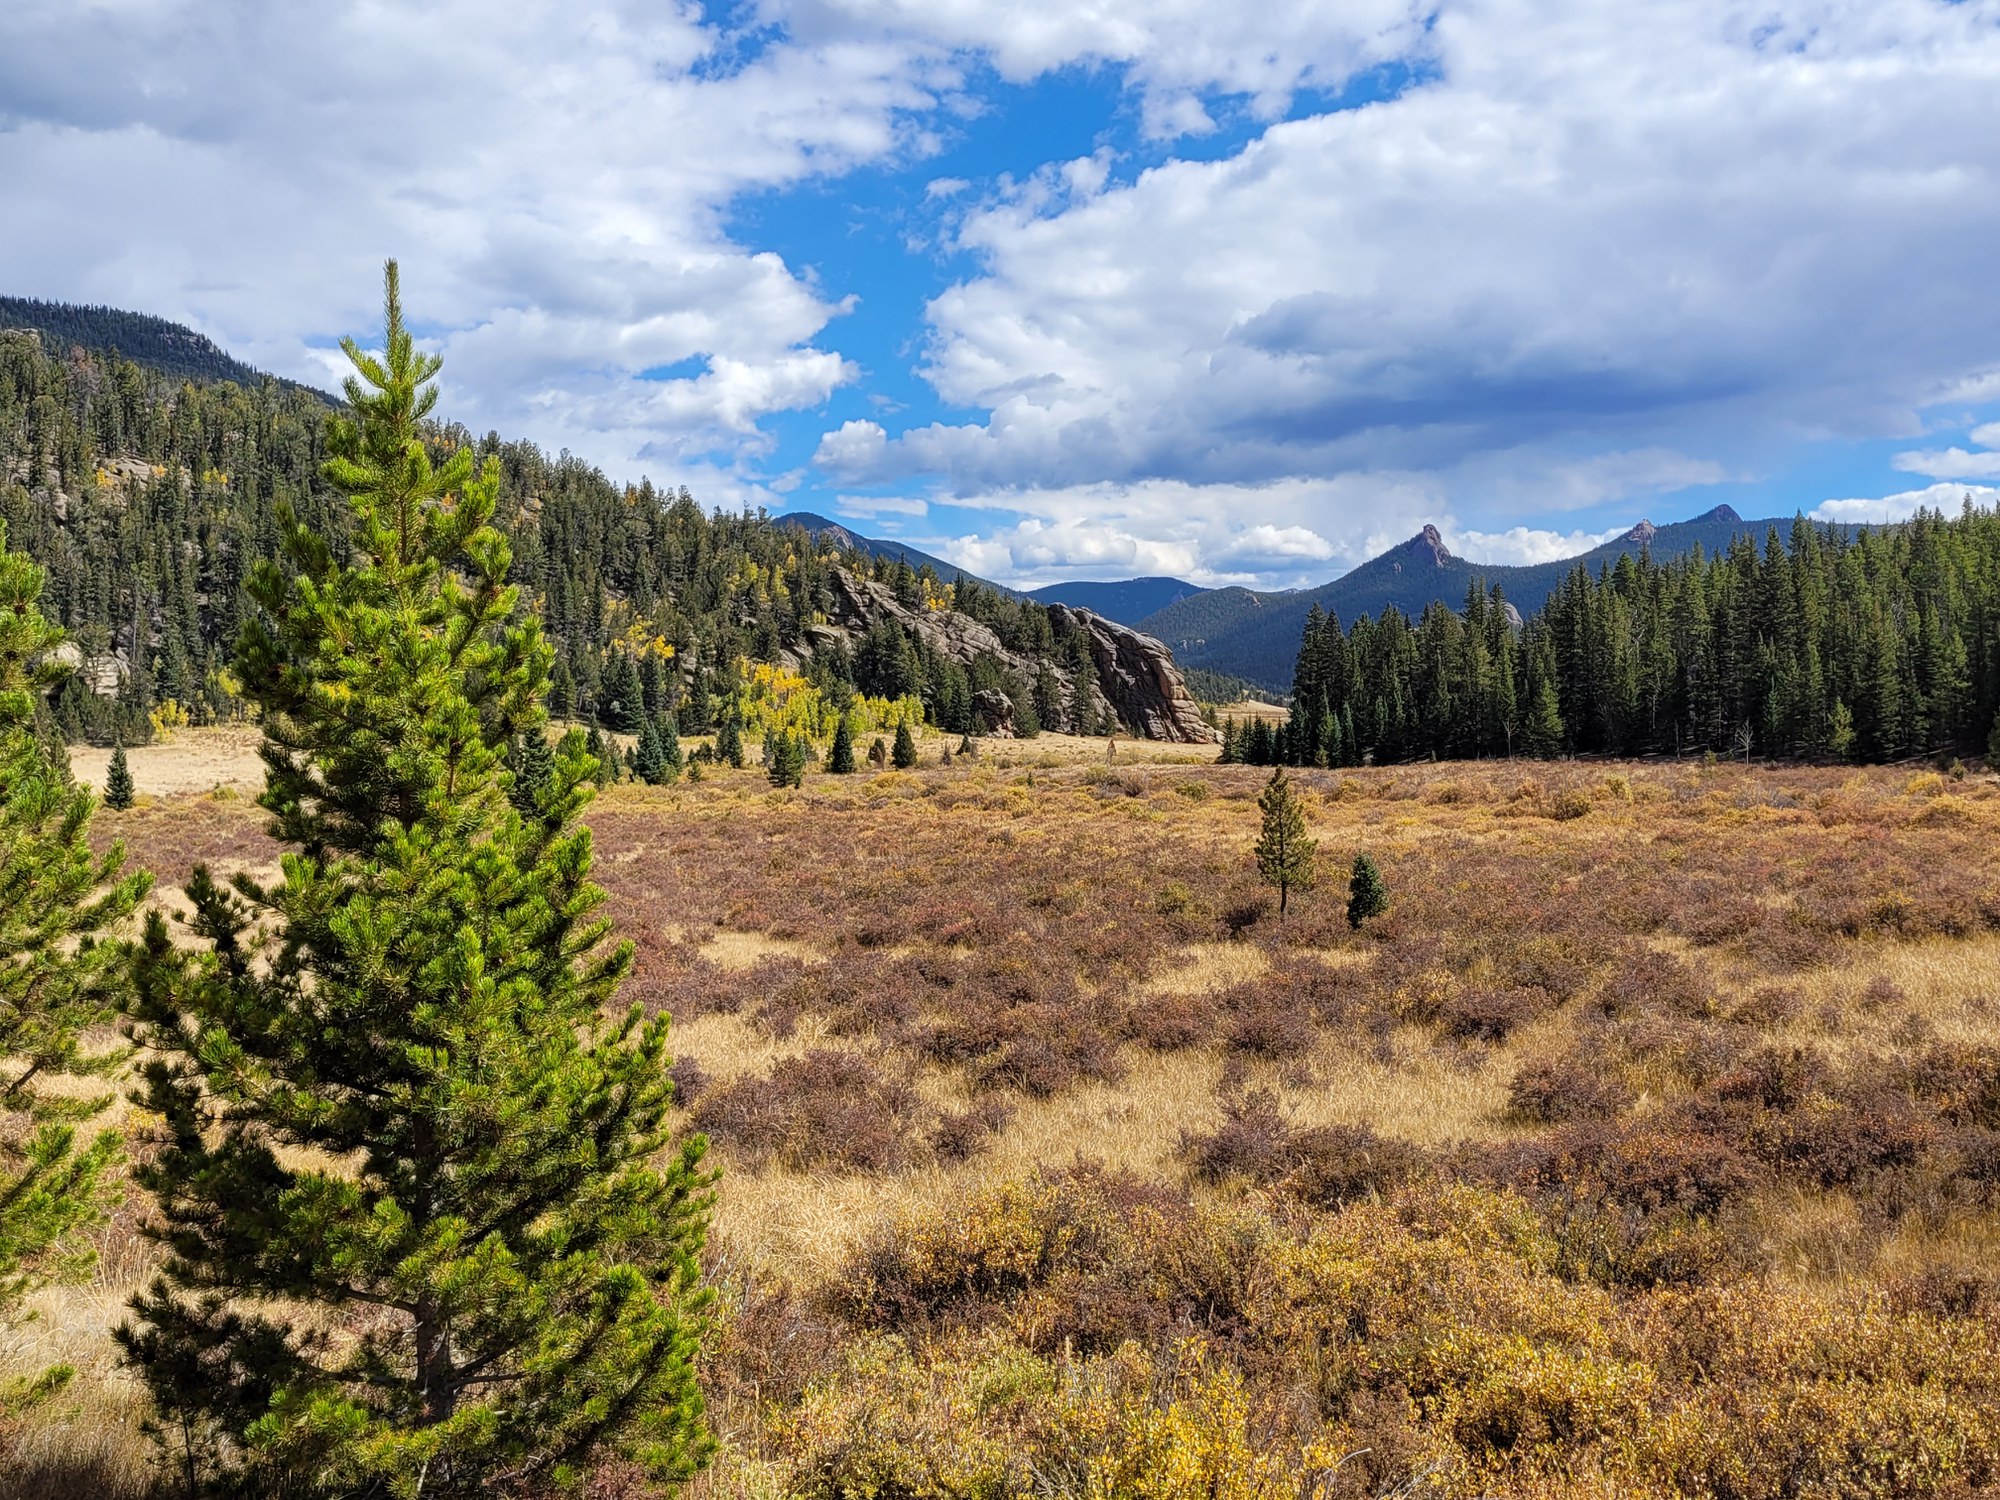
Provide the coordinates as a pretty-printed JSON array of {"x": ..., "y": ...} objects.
[{"x": 1648, "y": 1146}]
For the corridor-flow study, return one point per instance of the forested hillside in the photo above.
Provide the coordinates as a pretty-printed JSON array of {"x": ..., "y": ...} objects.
[
  {"x": 149, "y": 498},
  {"x": 1872, "y": 646}
]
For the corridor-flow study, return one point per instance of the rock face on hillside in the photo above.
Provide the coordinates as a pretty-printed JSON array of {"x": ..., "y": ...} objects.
[{"x": 1138, "y": 682}]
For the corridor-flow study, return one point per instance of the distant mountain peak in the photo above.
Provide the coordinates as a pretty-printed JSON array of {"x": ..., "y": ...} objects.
[
  {"x": 1427, "y": 547},
  {"x": 1644, "y": 532},
  {"x": 1720, "y": 513}
]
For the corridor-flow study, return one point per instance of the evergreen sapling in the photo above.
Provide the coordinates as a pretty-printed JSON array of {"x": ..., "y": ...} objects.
[
  {"x": 118, "y": 789},
  {"x": 840, "y": 757},
  {"x": 1367, "y": 896},
  {"x": 1285, "y": 853}
]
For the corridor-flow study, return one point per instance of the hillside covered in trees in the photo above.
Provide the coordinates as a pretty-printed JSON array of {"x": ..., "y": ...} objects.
[
  {"x": 149, "y": 498},
  {"x": 1870, "y": 646}
]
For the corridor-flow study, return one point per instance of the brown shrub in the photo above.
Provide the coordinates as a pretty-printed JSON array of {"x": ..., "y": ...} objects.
[
  {"x": 1265, "y": 1020},
  {"x": 1552, "y": 1092},
  {"x": 827, "y": 1108},
  {"x": 1253, "y": 1141},
  {"x": 1482, "y": 1014},
  {"x": 960, "y": 1135}
]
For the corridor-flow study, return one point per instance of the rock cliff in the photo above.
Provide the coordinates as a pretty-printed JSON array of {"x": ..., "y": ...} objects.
[{"x": 1137, "y": 681}]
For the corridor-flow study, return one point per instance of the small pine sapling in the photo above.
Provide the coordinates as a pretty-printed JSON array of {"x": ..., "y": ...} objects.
[
  {"x": 118, "y": 789},
  {"x": 1367, "y": 896},
  {"x": 1285, "y": 853}
]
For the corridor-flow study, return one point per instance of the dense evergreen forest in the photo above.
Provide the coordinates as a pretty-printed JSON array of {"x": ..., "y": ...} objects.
[
  {"x": 149, "y": 499},
  {"x": 1871, "y": 645}
]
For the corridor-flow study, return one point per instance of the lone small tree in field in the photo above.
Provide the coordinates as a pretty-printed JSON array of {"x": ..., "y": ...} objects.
[
  {"x": 904, "y": 754},
  {"x": 58, "y": 975},
  {"x": 118, "y": 789},
  {"x": 785, "y": 758},
  {"x": 1284, "y": 853},
  {"x": 840, "y": 758},
  {"x": 729, "y": 742},
  {"x": 391, "y": 1097},
  {"x": 1367, "y": 896}
]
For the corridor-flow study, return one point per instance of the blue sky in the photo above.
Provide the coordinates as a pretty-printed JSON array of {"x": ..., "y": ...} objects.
[{"x": 1241, "y": 294}]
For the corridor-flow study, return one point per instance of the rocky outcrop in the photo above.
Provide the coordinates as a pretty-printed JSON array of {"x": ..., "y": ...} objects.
[
  {"x": 993, "y": 713},
  {"x": 1139, "y": 676},
  {"x": 1138, "y": 684}
]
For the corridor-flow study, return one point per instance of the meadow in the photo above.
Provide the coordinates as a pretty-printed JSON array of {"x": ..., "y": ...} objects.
[{"x": 1648, "y": 1146}]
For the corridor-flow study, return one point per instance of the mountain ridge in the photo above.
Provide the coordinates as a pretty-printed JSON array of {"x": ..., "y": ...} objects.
[{"x": 1255, "y": 634}]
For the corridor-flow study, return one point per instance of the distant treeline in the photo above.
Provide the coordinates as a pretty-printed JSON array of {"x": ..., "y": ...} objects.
[
  {"x": 1873, "y": 645},
  {"x": 148, "y": 499}
]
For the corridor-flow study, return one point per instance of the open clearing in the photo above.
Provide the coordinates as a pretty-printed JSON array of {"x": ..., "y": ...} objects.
[{"x": 1646, "y": 1147}]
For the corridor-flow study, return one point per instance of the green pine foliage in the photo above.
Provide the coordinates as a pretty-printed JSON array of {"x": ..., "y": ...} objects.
[
  {"x": 389, "y": 1089},
  {"x": 1869, "y": 645},
  {"x": 785, "y": 758},
  {"x": 673, "y": 759},
  {"x": 118, "y": 789},
  {"x": 840, "y": 756},
  {"x": 59, "y": 976},
  {"x": 1285, "y": 852},
  {"x": 533, "y": 765},
  {"x": 729, "y": 742},
  {"x": 1367, "y": 896},
  {"x": 600, "y": 751},
  {"x": 649, "y": 757},
  {"x": 903, "y": 755}
]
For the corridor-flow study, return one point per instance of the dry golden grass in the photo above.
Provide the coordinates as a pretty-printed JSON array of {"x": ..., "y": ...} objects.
[{"x": 1040, "y": 881}]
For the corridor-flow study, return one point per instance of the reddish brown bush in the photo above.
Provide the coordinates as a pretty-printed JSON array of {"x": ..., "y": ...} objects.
[
  {"x": 1480, "y": 1014},
  {"x": 960, "y": 1135},
  {"x": 1551, "y": 1092},
  {"x": 1266, "y": 1020},
  {"x": 827, "y": 1108}
]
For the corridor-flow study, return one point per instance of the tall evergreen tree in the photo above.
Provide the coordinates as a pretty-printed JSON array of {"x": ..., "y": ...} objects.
[
  {"x": 59, "y": 975},
  {"x": 387, "y": 1084},
  {"x": 1285, "y": 852}
]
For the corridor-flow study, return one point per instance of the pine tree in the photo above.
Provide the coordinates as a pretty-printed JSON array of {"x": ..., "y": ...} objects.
[
  {"x": 1367, "y": 896},
  {"x": 534, "y": 766},
  {"x": 840, "y": 759},
  {"x": 415, "y": 1016},
  {"x": 58, "y": 975},
  {"x": 622, "y": 700},
  {"x": 594, "y": 746},
  {"x": 649, "y": 760},
  {"x": 118, "y": 789},
  {"x": 1285, "y": 853},
  {"x": 904, "y": 754},
  {"x": 1542, "y": 735},
  {"x": 785, "y": 758},
  {"x": 729, "y": 742},
  {"x": 673, "y": 759}
]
